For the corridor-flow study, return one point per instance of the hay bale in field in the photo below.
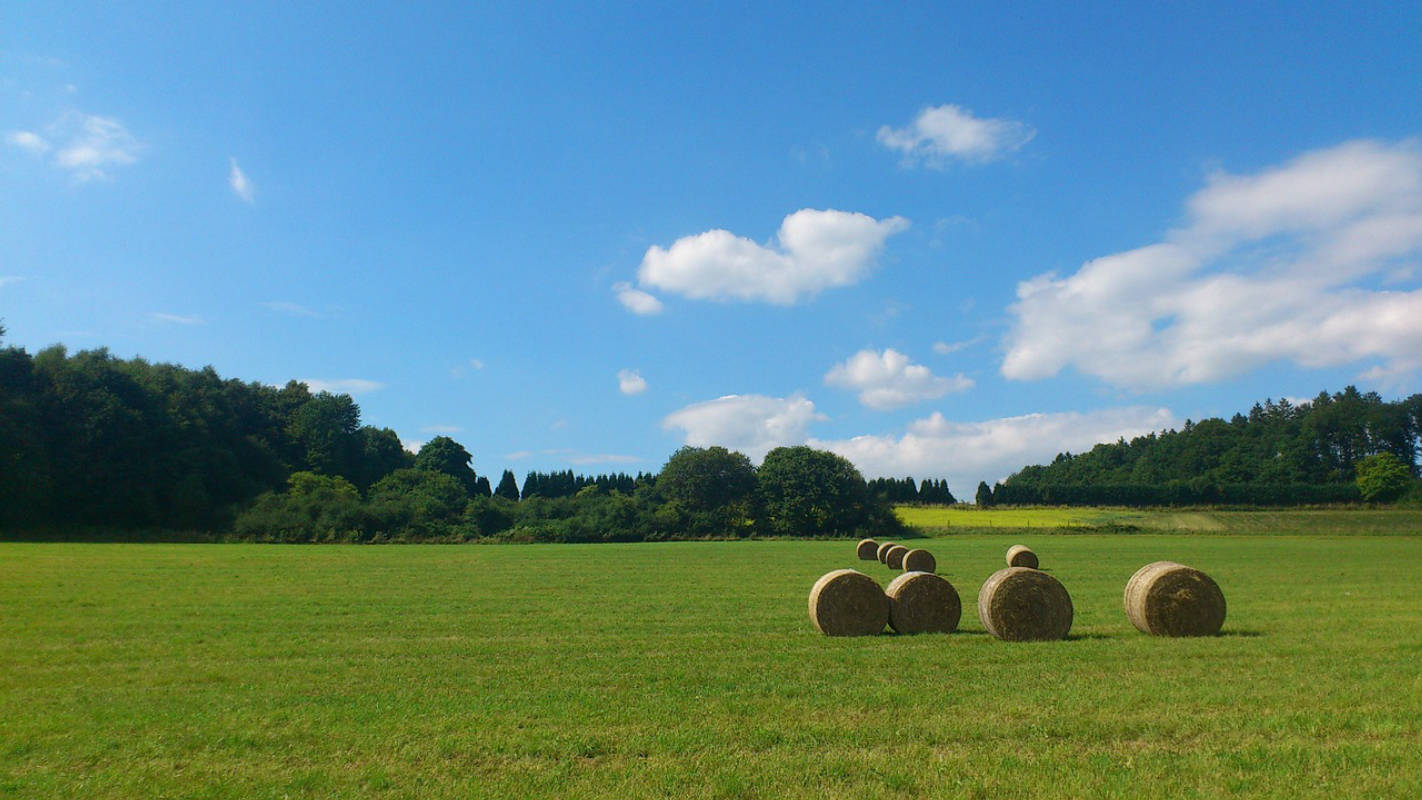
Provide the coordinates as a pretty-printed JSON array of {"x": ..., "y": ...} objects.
[
  {"x": 921, "y": 602},
  {"x": 848, "y": 603},
  {"x": 895, "y": 557},
  {"x": 1018, "y": 604},
  {"x": 867, "y": 550},
  {"x": 920, "y": 560},
  {"x": 1020, "y": 555},
  {"x": 1170, "y": 599},
  {"x": 883, "y": 551}
]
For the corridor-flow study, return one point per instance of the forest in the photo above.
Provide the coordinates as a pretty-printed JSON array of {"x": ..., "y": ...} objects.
[
  {"x": 92, "y": 442},
  {"x": 1348, "y": 446}
]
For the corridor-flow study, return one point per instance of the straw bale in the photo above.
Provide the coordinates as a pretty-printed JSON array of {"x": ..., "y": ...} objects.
[
  {"x": 921, "y": 602},
  {"x": 1020, "y": 555},
  {"x": 867, "y": 550},
  {"x": 848, "y": 603},
  {"x": 883, "y": 551},
  {"x": 1019, "y": 604},
  {"x": 920, "y": 560},
  {"x": 895, "y": 557},
  {"x": 1170, "y": 599}
]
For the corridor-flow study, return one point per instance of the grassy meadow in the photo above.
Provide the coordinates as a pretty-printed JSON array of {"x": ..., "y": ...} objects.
[{"x": 690, "y": 669}]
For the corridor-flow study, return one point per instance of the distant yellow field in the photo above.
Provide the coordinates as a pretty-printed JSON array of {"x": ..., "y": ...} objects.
[{"x": 938, "y": 519}]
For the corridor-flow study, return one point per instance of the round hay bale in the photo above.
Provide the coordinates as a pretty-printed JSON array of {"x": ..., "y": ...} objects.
[
  {"x": 1170, "y": 599},
  {"x": 882, "y": 551},
  {"x": 921, "y": 602},
  {"x": 867, "y": 550},
  {"x": 1020, "y": 555},
  {"x": 895, "y": 557},
  {"x": 920, "y": 560},
  {"x": 848, "y": 603},
  {"x": 1018, "y": 604}
]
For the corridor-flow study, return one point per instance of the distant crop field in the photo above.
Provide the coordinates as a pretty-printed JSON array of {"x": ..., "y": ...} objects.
[
  {"x": 1342, "y": 521},
  {"x": 691, "y": 670}
]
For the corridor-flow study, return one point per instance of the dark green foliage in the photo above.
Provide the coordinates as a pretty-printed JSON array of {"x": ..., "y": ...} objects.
[
  {"x": 315, "y": 508},
  {"x": 443, "y": 454},
  {"x": 482, "y": 488},
  {"x": 1280, "y": 454},
  {"x": 984, "y": 495},
  {"x": 808, "y": 492},
  {"x": 508, "y": 486},
  {"x": 703, "y": 478},
  {"x": 380, "y": 454}
]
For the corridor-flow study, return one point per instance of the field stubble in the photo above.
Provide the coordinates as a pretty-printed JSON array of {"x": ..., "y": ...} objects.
[{"x": 691, "y": 670}]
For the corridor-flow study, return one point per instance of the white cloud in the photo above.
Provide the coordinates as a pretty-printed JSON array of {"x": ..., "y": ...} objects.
[
  {"x": 476, "y": 363},
  {"x": 752, "y": 424},
  {"x": 442, "y": 429},
  {"x": 290, "y": 309},
  {"x": 630, "y": 382},
  {"x": 948, "y": 348},
  {"x": 887, "y": 380},
  {"x": 177, "y": 319},
  {"x": 342, "y": 385},
  {"x": 518, "y": 455},
  {"x": 6, "y": 280},
  {"x": 967, "y": 452},
  {"x": 815, "y": 250},
  {"x": 946, "y": 132},
  {"x": 636, "y": 300},
  {"x": 241, "y": 185},
  {"x": 28, "y": 141},
  {"x": 1270, "y": 267},
  {"x": 412, "y": 445},
  {"x": 89, "y": 146}
]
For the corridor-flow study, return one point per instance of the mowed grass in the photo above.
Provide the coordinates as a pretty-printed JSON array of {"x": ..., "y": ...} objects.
[
  {"x": 1340, "y": 521},
  {"x": 691, "y": 670}
]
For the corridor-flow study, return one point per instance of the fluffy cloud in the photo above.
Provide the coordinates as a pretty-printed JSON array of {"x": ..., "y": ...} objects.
[
  {"x": 636, "y": 300},
  {"x": 815, "y": 250},
  {"x": 967, "y": 452},
  {"x": 629, "y": 382},
  {"x": 1277, "y": 266},
  {"x": 962, "y": 452},
  {"x": 751, "y": 423},
  {"x": 342, "y": 385},
  {"x": 887, "y": 380},
  {"x": 91, "y": 146},
  {"x": 946, "y": 132},
  {"x": 28, "y": 141},
  {"x": 241, "y": 185}
]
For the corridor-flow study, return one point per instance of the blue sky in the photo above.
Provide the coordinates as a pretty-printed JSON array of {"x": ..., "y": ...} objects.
[{"x": 943, "y": 241}]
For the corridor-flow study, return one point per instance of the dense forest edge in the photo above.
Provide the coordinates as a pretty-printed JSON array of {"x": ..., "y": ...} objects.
[{"x": 94, "y": 446}]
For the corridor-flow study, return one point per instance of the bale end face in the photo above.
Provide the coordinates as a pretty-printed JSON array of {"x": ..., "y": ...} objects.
[
  {"x": 1018, "y": 604},
  {"x": 867, "y": 550},
  {"x": 920, "y": 560},
  {"x": 848, "y": 603},
  {"x": 894, "y": 559},
  {"x": 1020, "y": 555},
  {"x": 921, "y": 602},
  {"x": 1169, "y": 599}
]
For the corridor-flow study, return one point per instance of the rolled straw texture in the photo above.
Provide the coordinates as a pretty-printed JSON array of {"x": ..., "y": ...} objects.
[
  {"x": 1020, "y": 555},
  {"x": 1018, "y": 604},
  {"x": 848, "y": 603},
  {"x": 1170, "y": 599},
  {"x": 921, "y": 602}
]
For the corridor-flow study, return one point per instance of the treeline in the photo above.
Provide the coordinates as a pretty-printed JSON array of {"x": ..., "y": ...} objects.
[
  {"x": 1337, "y": 448},
  {"x": 90, "y": 441},
  {"x": 928, "y": 491}
]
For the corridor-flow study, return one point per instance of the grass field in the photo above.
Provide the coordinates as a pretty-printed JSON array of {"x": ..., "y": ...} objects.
[{"x": 691, "y": 670}]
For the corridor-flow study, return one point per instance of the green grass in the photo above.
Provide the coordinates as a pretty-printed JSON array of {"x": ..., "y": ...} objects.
[
  {"x": 1340, "y": 521},
  {"x": 691, "y": 670}
]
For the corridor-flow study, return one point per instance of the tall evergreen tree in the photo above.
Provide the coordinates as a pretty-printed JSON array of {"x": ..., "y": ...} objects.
[{"x": 508, "y": 486}]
